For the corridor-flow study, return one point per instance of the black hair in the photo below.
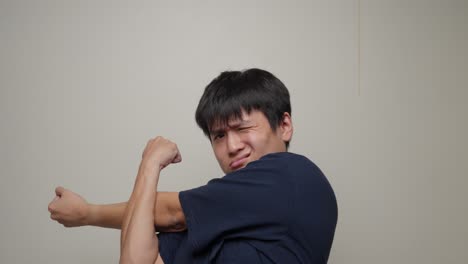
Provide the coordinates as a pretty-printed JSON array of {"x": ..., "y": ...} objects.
[{"x": 231, "y": 92}]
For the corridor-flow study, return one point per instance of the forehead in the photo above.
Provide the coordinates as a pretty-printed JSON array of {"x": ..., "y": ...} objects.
[{"x": 233, "y": 121}]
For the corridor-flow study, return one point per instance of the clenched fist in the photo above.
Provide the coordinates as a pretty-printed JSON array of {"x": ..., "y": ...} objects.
[
  {"x": 160, "y": 152},
  {"x": 68, "y": 208}
]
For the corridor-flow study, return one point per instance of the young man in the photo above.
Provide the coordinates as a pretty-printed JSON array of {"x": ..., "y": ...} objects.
[{"x": 271, "y": 206}]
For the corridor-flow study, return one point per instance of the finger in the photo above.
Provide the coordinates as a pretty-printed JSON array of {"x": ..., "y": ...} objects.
[
  {"x": 53, "y": 217},
  {"x": 51, "y": 206},
  {"x": 59, "y": 191},
  {"x": 177, "y": 159}
]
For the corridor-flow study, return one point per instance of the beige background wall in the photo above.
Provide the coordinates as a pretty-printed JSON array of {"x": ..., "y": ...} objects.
[{"x": 379, "y": 92}]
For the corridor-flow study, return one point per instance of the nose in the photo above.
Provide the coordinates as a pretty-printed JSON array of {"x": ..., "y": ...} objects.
[{"x": 234, "y": 143}]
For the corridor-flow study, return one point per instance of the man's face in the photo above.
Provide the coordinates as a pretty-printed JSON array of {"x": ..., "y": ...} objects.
[{"x": 248, "y": 139}]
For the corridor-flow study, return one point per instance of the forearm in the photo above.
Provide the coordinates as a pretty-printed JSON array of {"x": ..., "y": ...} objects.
[
  {"x": 139, "y": 242},
  {"x": 168, "y": 215},
  {"x": 108, "y": 215},
  {"x": 141, "y": 191}
]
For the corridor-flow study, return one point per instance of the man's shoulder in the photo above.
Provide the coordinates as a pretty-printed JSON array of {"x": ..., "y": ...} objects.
[
  {"x": 278, "y": 163},
  {"x": 285, "y": 156},
  {"x": 286, "y": 160}
]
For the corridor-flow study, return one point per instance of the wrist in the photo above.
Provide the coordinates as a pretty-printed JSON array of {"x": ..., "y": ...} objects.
[
  {"x": 91, "y": 217},
  {"x": 149, "y": 169}
]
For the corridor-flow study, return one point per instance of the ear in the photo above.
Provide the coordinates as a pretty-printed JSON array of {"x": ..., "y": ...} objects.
[{"x": 286, "y": 127}]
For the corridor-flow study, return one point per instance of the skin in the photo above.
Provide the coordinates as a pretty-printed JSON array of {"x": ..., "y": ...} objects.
[
  {"x": 138, "y": 241},
  {"x": 234, "y": 146},
  {"x": 248, "y": 139}
]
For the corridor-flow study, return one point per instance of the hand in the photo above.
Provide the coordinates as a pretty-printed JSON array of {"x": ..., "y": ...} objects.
[
  {"x": 69, "y": 208},
  {"x": 160, "y": 152}
]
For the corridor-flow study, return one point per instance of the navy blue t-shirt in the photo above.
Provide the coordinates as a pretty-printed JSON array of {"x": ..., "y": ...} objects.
[{"x": 278, "y": 209}]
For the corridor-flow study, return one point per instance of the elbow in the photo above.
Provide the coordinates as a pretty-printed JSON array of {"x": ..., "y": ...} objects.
[
  {"x": 177, "y": 222},
  {"x": 172, "y": 222}
]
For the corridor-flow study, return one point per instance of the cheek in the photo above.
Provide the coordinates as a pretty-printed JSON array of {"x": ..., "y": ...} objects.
[
  {"x": 257, "y": 139},
  {"x": 218, "y": 152},
  {"x": 263, "y": 142},
  {"x": 252, "y": 136}
]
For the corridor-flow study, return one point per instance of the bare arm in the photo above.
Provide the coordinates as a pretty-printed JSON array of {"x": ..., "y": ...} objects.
[
  {"x": 71, "y": 210},
  {"x": 138, "y": 240},
  {"x": 168, "y": 214},
  {"x": 139, "y": 243}
]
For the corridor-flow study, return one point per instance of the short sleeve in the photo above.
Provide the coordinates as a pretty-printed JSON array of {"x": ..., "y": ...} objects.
[
  {"x": 248, "y": 204},
  {"x": 169, "y": 244},
  {"x": 174, "y": 248}
]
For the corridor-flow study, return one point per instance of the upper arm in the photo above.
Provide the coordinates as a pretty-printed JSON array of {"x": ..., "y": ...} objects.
[{"x": 168, "y": 213}]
